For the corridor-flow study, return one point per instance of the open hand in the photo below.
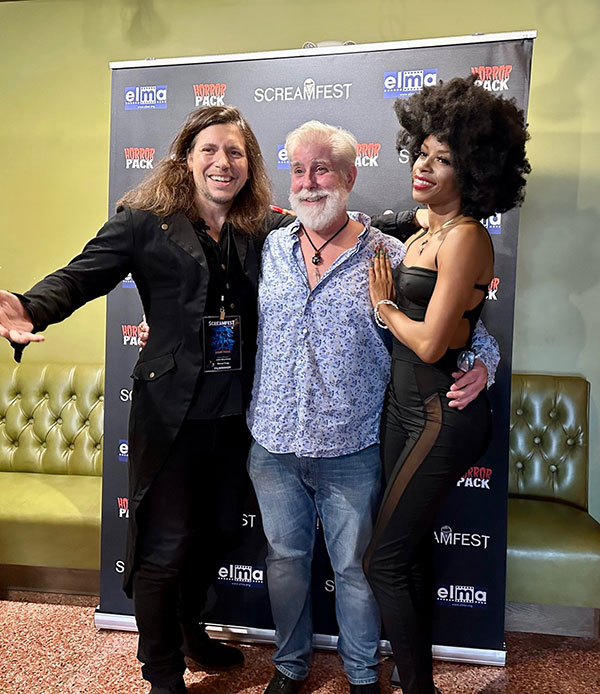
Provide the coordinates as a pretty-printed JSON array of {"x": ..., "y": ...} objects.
[{"x": 15, "y": 322}]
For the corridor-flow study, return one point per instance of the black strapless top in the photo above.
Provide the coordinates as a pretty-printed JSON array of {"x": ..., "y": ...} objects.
[{"x": 414, "y": 288}]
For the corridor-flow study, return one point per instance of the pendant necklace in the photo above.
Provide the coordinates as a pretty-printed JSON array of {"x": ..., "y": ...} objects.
[
  {"x": 429, "y": 235},
  {"x": 317, "y": 259}
]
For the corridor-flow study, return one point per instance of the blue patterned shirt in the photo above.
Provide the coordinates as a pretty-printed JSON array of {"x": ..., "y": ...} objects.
[{"x": 322, "y": 365}]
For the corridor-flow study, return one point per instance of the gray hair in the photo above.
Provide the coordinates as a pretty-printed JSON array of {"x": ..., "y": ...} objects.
[{"x": 341, "y": 142}]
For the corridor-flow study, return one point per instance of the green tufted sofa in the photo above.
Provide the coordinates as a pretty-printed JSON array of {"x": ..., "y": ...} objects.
[
  {"x": 51, "y": 430},
  {"x": 553, "y": 543}
]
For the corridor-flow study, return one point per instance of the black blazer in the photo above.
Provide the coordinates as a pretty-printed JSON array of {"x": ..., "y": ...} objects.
[{"x": 168, "y": 265}]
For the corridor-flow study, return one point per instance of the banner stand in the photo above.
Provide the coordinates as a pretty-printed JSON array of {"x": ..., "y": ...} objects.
[{"x": 354, "y": 87}]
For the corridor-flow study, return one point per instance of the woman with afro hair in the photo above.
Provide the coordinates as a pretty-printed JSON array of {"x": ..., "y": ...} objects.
[{"x": 468, "y": 163}]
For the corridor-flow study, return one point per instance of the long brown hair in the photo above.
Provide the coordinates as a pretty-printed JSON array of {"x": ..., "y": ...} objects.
[{"x": 170, "y": 187}]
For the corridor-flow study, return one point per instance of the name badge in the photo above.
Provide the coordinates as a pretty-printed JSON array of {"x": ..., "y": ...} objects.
[{"x": 222, "y": 344}]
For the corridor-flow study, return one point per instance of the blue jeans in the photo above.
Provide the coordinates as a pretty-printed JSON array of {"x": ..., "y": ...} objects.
[{"x": 345, "y": 493}]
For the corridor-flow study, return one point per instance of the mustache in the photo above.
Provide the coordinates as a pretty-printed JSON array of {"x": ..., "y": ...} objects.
[{"x": 311, "y": 196}]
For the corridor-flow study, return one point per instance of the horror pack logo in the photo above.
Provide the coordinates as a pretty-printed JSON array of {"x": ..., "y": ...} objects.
[
  {"x": 462, "y": 596},
  {"x": 309, "y": 90},
  {"x": 367, "y": 154},
  {"x": 407, "y": 82},
  {"x": 139, "y": 157},
  {"x": 244, "y": 575},
  {"x": 494, "y": 78},
  {"x": 210, "y": 94},
  {"x": 123, "y": 506},
  {"x": 130, "y": 334},
  {"x": 493, "y": 289},
  {"x": 476, "y": 478},
  {"x": 145, "y": 97}
]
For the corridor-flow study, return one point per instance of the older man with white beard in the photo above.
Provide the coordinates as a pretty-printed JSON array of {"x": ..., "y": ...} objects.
[{"x": 321, "y": 372}]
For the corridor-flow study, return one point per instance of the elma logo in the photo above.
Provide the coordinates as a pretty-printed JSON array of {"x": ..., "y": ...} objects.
[
  {"x": 493, "y": 289},
  {"x": 123, "y": 506},
  {"x": 145, "y": 97},
  {"x": 139, "y": 157},
  {"x": 210, "y": 94},
  {"x": 493, "y": 224},
  {"x": 123, "y": 450},
  {"x": 128, "y": 282},
  {"x": 462, "y": 596},
  {"x": 494, "y": 78},
  {"x": 476, "y": 477},
  {"x": 309, "y": 91},
  {"x": 282, "y": 157},
  {"x": 446, "y": 536},
  {"x": 367, "y": 154},
  {"x": 242, "y": 575},
  {"x": 130, "y": 335},
  {"x": 407, "y": 82}
]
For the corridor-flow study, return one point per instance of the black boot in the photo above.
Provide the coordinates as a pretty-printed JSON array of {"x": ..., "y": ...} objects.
[
  {"x": 178, "y": 688},
  {"x": 282, "y": 684},
  {"x": 203, "y": 653},
  {"x": 372, "y": 688}
]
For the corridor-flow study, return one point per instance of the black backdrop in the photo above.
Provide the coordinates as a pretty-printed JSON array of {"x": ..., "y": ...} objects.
[{"x": 353, "y": 87}]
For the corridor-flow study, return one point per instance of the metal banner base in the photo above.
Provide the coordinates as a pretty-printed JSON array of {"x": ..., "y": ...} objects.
[{"x": 455, "y": 654}]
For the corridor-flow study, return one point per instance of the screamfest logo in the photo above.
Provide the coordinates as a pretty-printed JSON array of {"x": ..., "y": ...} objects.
[
  {"x": 145, "y": 97},
  {"x": 139, "y": 157},
  {"x": 123, "y": 506},
  {"x": 476, "y": 477},
  {"x": 493, "y": 224},
  {"x": 210, "y": 94},
  {"x": 494, "y": 78},
  {"x": 367, "y": 154},
  {"x": 446, "y": 536},
  {"x": 462, "y": 596},
  {"x": 493, "y": 289},
  {"x": 130, "y": 335},
  {"x": 242, "y": 575},
  {"x": 308, "y": 91},
  {"x": 407, "y": 82}
]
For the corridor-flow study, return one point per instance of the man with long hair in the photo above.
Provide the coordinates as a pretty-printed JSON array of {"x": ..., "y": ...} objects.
[{"x": 191, "y": 236}]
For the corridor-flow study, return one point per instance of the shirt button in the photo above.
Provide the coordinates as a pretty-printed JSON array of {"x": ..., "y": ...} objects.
[
  {"x": 223, "y": 266},
  {"x": 228, "y": 286},
  {"x": 232, "y": 305},
  {"x": 151, "y": 374},
  {"x": 164, "y": 227}
]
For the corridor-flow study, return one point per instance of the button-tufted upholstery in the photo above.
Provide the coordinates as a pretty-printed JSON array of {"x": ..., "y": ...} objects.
[
  {"x": 51, "y": 429},
  {"x": 553, "y": 543}
]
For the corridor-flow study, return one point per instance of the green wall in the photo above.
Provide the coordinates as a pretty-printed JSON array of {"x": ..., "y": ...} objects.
[{"x": 54, "y": 130}]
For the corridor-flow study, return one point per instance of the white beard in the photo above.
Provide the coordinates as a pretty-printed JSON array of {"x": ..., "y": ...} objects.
[{"x": 325, "y": 212}]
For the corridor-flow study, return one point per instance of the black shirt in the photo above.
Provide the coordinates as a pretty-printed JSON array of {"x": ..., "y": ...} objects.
[{"x": 226, "y": 393}]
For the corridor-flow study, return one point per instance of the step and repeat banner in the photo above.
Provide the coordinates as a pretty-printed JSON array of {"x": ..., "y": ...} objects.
[{"x": 354, "y": 87}]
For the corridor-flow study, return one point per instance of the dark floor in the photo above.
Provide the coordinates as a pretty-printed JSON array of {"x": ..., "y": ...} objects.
[{"x": 49, "y": 647}]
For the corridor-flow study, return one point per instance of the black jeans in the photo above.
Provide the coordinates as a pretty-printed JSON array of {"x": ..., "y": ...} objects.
[
  {"x": 190, "y": 518},
  {"x": 425, "y": 446}
]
